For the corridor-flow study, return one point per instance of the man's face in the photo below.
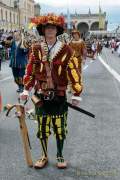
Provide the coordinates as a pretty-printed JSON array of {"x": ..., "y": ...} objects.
[
  {"x": 50, "y": 31},
  {"x": 76, "y": 36},
  {"x": 17, "y": 36}
]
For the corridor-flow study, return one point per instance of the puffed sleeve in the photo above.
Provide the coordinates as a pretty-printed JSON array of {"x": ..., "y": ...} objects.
[
  {"x": 29, "y": 78},
  {"x": 74, "y": 76}
]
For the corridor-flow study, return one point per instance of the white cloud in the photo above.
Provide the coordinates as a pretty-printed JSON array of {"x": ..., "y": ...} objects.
[
  {"x": 76, "y": 3},
  {"x": 55, "y": 3}
]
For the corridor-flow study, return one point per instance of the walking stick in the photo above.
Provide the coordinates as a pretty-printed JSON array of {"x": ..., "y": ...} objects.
[{"x": 20, "y": 113}]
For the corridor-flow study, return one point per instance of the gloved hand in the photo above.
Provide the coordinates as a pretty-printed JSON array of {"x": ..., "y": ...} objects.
[
  {"x": 76, "y": 100},
  {"x": 24, "y": 95}
]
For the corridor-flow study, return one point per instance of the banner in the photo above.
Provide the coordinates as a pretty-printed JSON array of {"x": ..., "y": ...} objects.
[
  {"x": 101, "y": 20},
  {"x": 31, "y": 25}
]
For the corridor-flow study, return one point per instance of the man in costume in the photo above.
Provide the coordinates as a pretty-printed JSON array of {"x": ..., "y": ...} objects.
[
  {"x": 78, "y": 45},
  {"x": 18, "y": 60},
  {"x": 90, "y": 52},
  {"x": 99, "y": 47},
  {"x": 51, "y": 65},
  {"x": 1, "y": 48},
  {"x": 94, "y": 48}
]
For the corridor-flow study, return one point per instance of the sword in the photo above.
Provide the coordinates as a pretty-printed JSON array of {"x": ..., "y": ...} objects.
[{"x": 80, "y": 110}]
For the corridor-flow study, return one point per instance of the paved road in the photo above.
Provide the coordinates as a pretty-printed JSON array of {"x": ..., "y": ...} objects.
[{"x": 92, "y": 146}]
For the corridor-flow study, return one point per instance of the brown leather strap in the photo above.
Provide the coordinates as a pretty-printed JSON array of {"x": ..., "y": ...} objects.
[
  {"x": 50, "y": 84},
  {"x": 60, "y": 93},
  {"x": 61, "y": 88}
]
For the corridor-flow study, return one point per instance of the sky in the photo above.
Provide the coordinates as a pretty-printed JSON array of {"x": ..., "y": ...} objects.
[
  {"x": 111, "y": 7},
  {"x": 76, "y": 3}
]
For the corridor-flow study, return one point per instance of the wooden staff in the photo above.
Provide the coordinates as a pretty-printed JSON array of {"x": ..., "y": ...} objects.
[{"x": 20, "y": 112}]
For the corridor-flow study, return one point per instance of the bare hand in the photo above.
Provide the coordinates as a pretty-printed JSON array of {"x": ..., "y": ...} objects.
[{"x": 83, "y": 62}]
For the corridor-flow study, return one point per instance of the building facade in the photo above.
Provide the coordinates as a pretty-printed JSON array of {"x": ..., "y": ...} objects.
[
  {"x": 8, "y": 17},
  {"x": 26, "y": 10},
  {"x": 15, "y": 14},
  {"x": 88, "y": 22}
]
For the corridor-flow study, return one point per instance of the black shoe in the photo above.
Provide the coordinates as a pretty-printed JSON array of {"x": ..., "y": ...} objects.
[{"x": 20, "y": 89}]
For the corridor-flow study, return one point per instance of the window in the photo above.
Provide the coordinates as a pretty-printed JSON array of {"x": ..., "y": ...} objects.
[
  {"x": 6, "y": 16},
  {"x": 25, "y": 19},
  {"x": 24, "y": 4},
  {"x": 10, "y": 17},
  {"x": 1, "y": 14},
  {"x": 17, "y": 19},
  {"x": 14, "y": 18}
]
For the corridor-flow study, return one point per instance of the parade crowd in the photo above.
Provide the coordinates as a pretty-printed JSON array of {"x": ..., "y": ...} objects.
[
  {"x": 94, "y": 45},
  {"x": 49, "y": 61}
]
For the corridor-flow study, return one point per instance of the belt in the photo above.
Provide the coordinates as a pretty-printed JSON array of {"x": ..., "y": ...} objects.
[{"x": 50, "y": 94}]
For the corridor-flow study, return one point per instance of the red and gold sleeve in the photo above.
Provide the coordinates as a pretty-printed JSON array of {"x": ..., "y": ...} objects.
[
  {"x": 29, "y": 78},
  {"x": 34, "y": 56},
  {"x": 84, "y": 50},
  {"x": 74, "y": 76}
]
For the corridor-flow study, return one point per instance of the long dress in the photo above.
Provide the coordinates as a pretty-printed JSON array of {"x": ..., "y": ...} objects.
[{"x": 118, "y": 50}]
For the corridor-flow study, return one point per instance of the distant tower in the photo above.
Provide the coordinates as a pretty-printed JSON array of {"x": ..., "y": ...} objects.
[
  {"x": 89, "y": 12},
  {"x": 75, "y": 12},
  {"x": 68, "y": 19},
  {"x": 37, "y": 9},
  {"x": 100, "y": 10}
]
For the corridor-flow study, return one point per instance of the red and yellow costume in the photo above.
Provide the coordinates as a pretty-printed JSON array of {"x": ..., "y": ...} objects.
[
  {"x": 80, "y": 51},
  {"x": 79, "y": 47},
  {"x": 64, "y": 68}
]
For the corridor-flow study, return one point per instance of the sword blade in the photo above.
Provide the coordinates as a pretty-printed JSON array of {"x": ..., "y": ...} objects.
[{"x": 80, "y": 110}]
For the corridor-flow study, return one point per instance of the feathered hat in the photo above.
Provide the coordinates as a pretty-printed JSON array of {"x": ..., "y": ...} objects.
[
  {"x": 50, "y": 19},
  {"x": 75, "y": 31}
]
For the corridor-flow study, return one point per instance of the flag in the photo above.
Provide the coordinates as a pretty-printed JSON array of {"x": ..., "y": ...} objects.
[
  {"x": 101, "y": 19},
  {"x": 31, "y": 25}
]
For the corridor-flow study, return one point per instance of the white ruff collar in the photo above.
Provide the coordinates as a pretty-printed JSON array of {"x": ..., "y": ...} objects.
[
  {"x": 55, "y": 50},
  {"x": 79, "y": 41},
  {"x": 58, "y": 46}
]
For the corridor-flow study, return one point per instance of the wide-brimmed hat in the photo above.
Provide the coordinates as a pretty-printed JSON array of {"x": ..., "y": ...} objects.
[{"x": 50, "y": 19}]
